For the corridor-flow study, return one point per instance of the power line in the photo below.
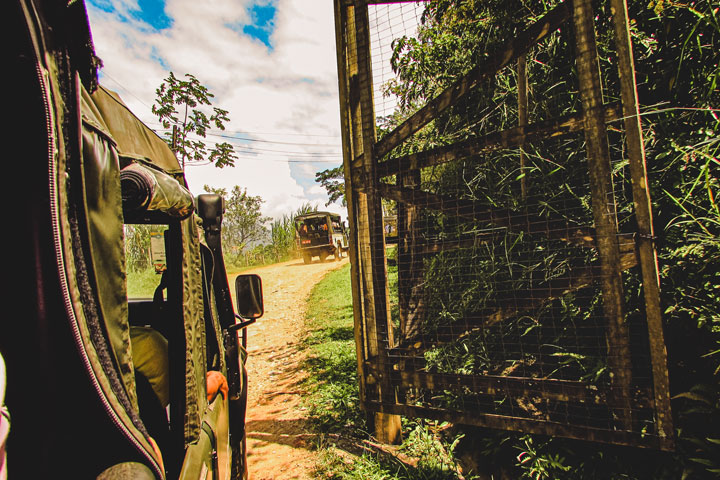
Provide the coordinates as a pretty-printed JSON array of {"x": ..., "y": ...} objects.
[
  {"x": 105, "y": 74},
  {"x": 211, "y": 132},
  {"x": 266, "y": 159},
  {"x": 277, "y": 142},
  {"x": 299, "y": 153},
  {"x": 251, "y": 149},
  {"x": 237, "y": 134},
  {"x": 275, "y": 155}
]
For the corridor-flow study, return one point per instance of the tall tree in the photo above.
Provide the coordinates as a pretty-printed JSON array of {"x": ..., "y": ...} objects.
[
  {"x": 190, "y": 95},
  {"x": 243, "y": 223}
]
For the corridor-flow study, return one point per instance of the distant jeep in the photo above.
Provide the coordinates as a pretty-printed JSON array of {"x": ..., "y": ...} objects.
[{"x": 320, "y": 234}]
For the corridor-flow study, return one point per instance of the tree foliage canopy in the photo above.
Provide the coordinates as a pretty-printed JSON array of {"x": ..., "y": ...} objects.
[
  {"x": 333, "y": 180},
  {"x": 190, "y": 95},
  {"x": 243, "y": 223}
]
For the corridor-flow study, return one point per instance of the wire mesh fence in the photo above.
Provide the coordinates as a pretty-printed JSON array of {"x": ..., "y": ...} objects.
[{"x": 504, "y": 268}]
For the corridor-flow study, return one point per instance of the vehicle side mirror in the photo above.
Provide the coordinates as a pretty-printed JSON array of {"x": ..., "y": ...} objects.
[{"x": 249, "y": 294}]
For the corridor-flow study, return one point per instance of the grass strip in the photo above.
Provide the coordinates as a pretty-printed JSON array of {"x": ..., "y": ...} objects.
[{"x": 346, "y": 449}]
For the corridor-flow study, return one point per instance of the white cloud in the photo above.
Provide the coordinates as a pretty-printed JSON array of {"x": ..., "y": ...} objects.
[
  {"x": 316, "y": 190},
  {"x": 289, "y": 90}
]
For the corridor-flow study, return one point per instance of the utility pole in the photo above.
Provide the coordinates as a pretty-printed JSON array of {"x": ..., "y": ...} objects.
[{"x": 174, "y": 146}]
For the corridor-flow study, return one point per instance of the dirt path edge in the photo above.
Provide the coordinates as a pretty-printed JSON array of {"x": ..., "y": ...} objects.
[{"x": 280, "y": 445}]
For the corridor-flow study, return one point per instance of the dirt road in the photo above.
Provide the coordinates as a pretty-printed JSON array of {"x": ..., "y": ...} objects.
[{"x": 279, "y": 445}]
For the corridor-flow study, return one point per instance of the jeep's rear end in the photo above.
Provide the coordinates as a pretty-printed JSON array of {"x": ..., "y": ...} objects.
[{"x": 320, "y": 234}]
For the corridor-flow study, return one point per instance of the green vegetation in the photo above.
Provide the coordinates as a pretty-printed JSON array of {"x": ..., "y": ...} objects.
[
  {"x": 142, "y": 284},
  {"x": 141, "y": 277},
  {"x": 677, "y": 54},
  {"x": 249, "y": 238},
  {"x": 333, "y": 181},
  {"x": 276, "y": 245},
  {"x": 333, "y": 403},
  {"x": 243, "y": 223},
  {"x": 192, "y": 120}
]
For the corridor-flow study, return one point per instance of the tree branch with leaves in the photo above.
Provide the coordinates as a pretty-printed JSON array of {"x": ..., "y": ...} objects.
[
  {"x": 333, "y": 180},
  {"x": 243, "y": 223},
  {"x": 179, "y": 104}
]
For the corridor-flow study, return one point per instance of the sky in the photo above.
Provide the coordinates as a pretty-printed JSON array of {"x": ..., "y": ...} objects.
[{"x": 270, "y": 63}]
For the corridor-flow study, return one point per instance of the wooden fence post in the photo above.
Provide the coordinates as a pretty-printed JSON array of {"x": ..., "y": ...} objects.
[
  {"x": 643, "y": 216},
  {"x": 604, "y": 210},
  {"x": 371, "y": 299}
]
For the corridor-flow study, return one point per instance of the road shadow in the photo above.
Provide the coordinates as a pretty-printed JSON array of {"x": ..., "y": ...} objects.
[
  {"x": 294, "y": 433},
  {"x": 274, "y": 350},
  {"x": 314, "y": 262}
]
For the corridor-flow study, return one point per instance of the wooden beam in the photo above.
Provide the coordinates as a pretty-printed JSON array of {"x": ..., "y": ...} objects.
[
  {"x": 478, "y": 147},
  {"x": 547, "y": 388},
  {"x": 341, "y": 45},
  {"x": 518, "y": 46},
  {"x": 369, "y": 224},
  {"x": 555, "y": 228},
  {"x": 604, "y": 210},
  {"x": 643, "y": 216},
  {"x": 525, "y": 425},
  {"x": 411, "y": 301}
]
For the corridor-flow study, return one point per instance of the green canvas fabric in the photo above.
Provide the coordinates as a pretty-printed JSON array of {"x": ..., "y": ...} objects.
[
  {"x": 102, "y": 323},
  {"x": 167, "y": 195},
  {"x": 103, "y": 200},
  {"x": 134, "y": 138},
  {"x": 195, "y": 367},
  {"x": 136, "y": 141},
  {"x": 77, "y": 337}
]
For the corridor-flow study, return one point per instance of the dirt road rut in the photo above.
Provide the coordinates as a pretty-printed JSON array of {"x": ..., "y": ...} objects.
[{"x": 279, "y": 443}]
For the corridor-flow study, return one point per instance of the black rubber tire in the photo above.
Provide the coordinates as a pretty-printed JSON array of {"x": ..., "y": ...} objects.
[{"x": 307, "y": 259}]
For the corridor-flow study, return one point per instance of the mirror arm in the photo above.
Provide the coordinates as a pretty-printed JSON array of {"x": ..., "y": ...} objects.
[{"x": 239, "y": 326}]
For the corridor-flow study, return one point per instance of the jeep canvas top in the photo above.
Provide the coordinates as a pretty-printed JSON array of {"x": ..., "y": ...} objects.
[{"x": 99, "y": 386}]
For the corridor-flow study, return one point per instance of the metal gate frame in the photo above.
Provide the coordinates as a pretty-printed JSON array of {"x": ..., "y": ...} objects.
[{"x": 363, "y": 170}]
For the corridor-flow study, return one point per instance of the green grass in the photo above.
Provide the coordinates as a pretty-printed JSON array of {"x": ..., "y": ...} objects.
[
  {"x": 142, "y": 284},
  {"x": 429, "y": 450},
  {"x": 333, "y": 403},
  {"x": 346, "y": 448}
]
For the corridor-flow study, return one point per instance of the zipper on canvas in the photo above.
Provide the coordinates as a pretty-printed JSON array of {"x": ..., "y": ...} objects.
[{"x": 65, "y": 291}]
